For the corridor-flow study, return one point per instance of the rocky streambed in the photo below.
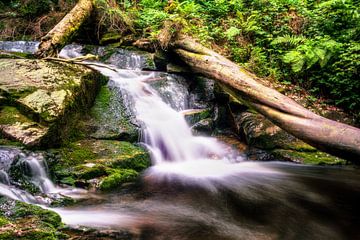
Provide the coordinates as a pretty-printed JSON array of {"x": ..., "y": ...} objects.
[{"x": 84, "y": 127}]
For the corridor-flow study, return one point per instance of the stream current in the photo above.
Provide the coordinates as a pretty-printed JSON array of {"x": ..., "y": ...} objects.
[{"x": 198, "y": 189}]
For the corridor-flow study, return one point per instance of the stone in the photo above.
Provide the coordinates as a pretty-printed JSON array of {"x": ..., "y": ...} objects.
[
  {"x": 91, "y": 161},
  {"x": 110, "y": 119},
  {"x": 268, "y": 142},
  {"x": 41, "y": 99},
  {"x": 173, "y": 89},
  {"x": 173, "y": 68},
  {"x": 20, "y": 220}
]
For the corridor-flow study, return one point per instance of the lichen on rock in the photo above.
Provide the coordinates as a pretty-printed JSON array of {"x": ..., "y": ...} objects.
[{"x": 40, "y": 99}]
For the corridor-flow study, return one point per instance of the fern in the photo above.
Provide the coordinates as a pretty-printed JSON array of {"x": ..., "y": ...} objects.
[
  {"x": 289, "y": 40},
  {"x": 232, "y": 32},
  {"x": 311, "y": 52}
]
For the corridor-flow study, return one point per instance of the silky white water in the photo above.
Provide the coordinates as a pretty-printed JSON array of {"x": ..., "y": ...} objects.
[
  {"x": 197, "y": 188},
  {"x": 173, "y": 147}
]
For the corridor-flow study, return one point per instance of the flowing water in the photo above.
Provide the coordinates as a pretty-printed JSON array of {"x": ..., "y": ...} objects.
[{"x": 198, "y": 188}]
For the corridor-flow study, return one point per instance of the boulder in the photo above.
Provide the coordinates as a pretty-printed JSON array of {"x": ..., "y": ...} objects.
[
  {"x": 273, "y": 143},
  {"x": 90, "y": 163},
  {"x": 20, "y": 220},
  {"x": 110, "y": 119},
  {"x": 41, "y": 99}
]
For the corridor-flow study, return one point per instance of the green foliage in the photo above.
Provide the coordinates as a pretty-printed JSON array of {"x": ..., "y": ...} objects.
[
  {"x": 154, "y": 4},
  {"x": 152, "y": 18},
  {"x": 311, "y": 43},
  {"x": 30, "y": 8},
  {"x": 311, "y": 52}
]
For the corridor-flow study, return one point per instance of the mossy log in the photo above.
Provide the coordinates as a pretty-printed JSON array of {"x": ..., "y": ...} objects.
[
  {"x": 330, "y": 136},
  {"x": 65, "y": 29}
]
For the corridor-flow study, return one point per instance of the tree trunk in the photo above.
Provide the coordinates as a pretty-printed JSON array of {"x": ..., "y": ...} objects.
[
  {"x": 329, "y": 136},
  {"x": 65, "y": 29}
]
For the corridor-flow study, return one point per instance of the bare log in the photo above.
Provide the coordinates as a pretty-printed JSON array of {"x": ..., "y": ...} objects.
[
  {"x": 65, "y": 29},
  {"x": 329, "y": 136}
]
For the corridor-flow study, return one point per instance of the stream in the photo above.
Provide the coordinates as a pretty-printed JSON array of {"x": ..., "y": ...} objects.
[{"x": 197, "y": 188}]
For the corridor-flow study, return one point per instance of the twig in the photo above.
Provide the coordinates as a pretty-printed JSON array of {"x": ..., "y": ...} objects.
[{"x": 81, "y": 61}]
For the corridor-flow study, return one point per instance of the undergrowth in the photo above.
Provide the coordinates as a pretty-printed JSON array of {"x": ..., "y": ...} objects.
[{"x": 314, "y": 44}]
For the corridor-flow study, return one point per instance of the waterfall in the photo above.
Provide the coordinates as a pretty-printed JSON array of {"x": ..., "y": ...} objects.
[
  {"x": 19, "y": 46},
  {"x": 173, "y": 147},
  {"x": 31, "y": 167}
]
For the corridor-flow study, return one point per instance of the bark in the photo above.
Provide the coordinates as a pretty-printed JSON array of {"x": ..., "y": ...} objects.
[
  {"x": 65, "y": 29},
  {"x": 329, "y": 136}
]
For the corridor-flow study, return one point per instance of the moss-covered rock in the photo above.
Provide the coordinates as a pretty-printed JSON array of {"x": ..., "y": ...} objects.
[
  {"x": 261, "y": 133},
  {"x": 118, "y": 178},
  {"x": 109, "y": 118},
  {"x": 41, "y": 99},
  {"x": 306, "y": 157},
  {"x": 87, "y": 161},
  {"x": 16, "y": 126},
  {"x": 24, "y": 221}
]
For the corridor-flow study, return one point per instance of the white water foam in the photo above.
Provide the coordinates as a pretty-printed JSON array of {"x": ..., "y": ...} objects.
[{"x": 173, "y": 147}]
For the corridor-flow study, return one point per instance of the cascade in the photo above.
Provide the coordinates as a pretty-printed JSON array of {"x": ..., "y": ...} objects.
[
  {"x": 27, "y": 165},
  {"x": 211, "y": 191}
]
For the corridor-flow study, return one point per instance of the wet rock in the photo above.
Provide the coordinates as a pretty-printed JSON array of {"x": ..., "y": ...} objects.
[
  {"x": 262, "y": 135},
  {"x": 204, "y": 126},
  {"x": 117, "y": 178},
  {"x": 173, "y": 89},
  {"x": 161, "y": 59},
  {"x": 173, "y": 68},
  {"x": 121, "y": 58},
  {"x": 202, "y": 93},
  {"x": 41, "y": 99},
  {"x": 193, "y": 116},
  {"x": 19, "y": 46},
  {"x": 127, "y": 59},
  {"x": 7, "y": 156},
  {"x": 24, "y": 221},
  {"x": 110, "y": 119},
  {"x": 91, "y": 161},
  {"x": 84, "y": 233},
  {"x": 200, "y": 120}
]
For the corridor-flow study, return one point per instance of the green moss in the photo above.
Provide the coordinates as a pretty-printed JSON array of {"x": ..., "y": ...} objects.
[
  {"x": 27, "y": 222},
  {"x": 109, "y": 119},
  {"x": 300, "y": 146},
  {"x": 84, "y": 172},
  {"x": 63, "y": 201},
  {"x": 11, "y": 115},
  {"x": 3, "y": 221},
  {"x": 314, "y": 158},
  {"x": 139, "y": 161},
  {"x": 76, "y": 153},
  {"x": 68, "y": 181},
  {"x": 7, "y": 142},
  {"x": 90, "y": 159},
  {"x": 117, "y": 178},
  {"x": 16, "y": 55},
  {"x": 197, "y": 116},
  {"x": 130, "y": 156},
  {"x": 110, "y": 37},
  {"x": 102, "y": 101},
  {"x": 24, "y": 210},
  {"x": 30, "y": 234}
]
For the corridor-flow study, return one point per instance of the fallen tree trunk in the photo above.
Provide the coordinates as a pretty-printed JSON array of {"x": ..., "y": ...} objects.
[
  {"x": 329, "y": 136},
  {"x": 65, "y": 29}
]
